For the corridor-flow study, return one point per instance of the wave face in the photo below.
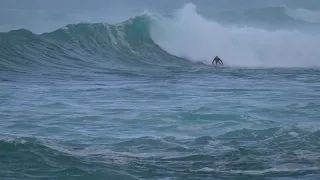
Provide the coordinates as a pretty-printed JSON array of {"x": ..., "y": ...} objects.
[
  {"x": 150, "y": 40},
  {"x": 85, "y": 46}
]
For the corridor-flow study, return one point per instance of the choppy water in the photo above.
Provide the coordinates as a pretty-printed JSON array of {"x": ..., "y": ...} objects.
[{"x": 139, "y": 100}]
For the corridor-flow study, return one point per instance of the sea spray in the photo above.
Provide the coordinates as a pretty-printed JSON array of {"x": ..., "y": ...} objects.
[
  {"x": 194, "y": 37},
  {"x": 154, "y": 40}
]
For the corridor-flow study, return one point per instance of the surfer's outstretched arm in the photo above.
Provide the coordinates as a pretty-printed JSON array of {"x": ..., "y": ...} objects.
[{"x": 217, "y": 61}]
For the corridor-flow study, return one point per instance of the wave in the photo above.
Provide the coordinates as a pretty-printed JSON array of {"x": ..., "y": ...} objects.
[
  {"x": 85, "y": 46},
  {"x": 150, "y": 41},
  {"x": 239, "y": 152},
  {"x": 190, "y": 35}
]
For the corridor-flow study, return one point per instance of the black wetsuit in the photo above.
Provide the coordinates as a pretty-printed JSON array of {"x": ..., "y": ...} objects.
[{"x": 217, "y": 60}]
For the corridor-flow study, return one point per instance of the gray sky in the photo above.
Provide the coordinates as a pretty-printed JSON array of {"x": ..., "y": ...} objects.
[{"x": 47, "y": 15}]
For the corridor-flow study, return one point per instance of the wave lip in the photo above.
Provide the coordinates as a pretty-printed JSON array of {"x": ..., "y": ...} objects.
[{"x": 150, "y": 43}]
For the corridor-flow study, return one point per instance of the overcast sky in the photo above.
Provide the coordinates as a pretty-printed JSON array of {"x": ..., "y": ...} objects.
[{"x": 46, "y": 15}]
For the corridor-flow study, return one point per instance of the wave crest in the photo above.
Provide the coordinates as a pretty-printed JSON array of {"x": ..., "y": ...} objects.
[{"x": 147, "y": 41}]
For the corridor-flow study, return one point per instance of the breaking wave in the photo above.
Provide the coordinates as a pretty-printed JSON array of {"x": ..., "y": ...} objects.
[{"x": 151, "y": 41}]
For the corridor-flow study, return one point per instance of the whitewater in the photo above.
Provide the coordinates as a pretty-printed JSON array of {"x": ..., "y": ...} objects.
[
  {"x": 126, "y": 90},
  {"x": 191, "y": 36}
]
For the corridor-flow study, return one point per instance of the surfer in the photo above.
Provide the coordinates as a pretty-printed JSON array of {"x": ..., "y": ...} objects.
[{"x": 217, "y": 61}]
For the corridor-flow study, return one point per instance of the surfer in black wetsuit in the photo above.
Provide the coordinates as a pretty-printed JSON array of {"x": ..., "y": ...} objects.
[{"x": 217, "y": 61}]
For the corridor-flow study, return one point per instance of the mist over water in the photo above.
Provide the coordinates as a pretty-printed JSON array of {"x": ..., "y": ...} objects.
[{"x": 194, "y": 37}]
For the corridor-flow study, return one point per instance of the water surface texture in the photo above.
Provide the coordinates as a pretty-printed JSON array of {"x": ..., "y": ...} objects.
[{"x": 105, "y": 90}]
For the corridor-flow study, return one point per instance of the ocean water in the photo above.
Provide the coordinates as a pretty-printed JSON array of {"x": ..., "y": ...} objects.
[{"x": 125, "y": 90}]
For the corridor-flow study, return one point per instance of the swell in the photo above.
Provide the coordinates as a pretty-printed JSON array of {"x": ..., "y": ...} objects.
[
  {"x": 29, "y": 158},
  {"x": 154, "y": 44},
  {"x": 292, "y": 151},
  {"x": 99, "y": 47}
]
